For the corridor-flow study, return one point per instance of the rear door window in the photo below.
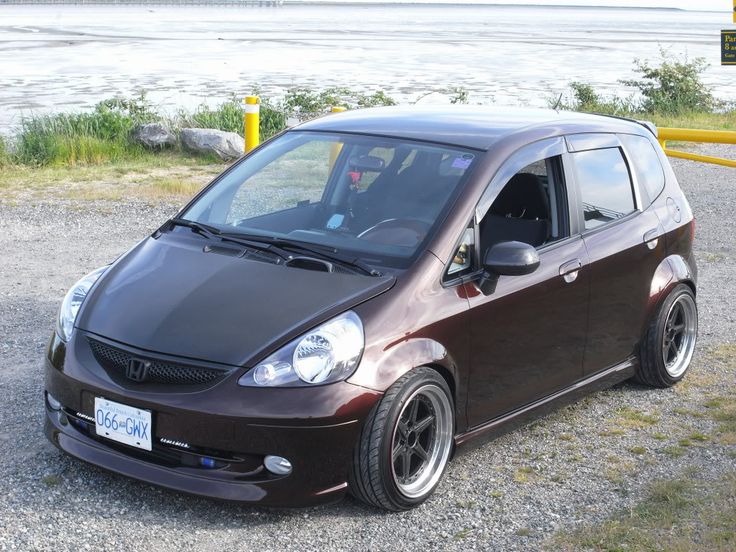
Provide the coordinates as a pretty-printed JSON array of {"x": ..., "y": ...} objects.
[
  {"x": 646, "y": 165},
  {"x": 605, "y": 186}
]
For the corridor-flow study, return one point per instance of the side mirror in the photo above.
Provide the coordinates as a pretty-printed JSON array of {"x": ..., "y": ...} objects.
[{"x": 511, "y": 258}]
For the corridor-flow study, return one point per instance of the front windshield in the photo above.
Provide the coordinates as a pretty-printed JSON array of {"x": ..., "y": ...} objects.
[{"x": 377, "y": 198}]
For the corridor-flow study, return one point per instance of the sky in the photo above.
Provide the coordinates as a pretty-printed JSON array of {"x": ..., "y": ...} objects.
[{"x": 706, "y": 5}]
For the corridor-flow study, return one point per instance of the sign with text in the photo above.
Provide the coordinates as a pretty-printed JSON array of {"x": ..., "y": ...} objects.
[{"x": 728, "y": 47}]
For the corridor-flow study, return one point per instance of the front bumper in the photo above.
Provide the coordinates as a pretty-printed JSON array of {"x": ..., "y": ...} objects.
[{"x": 233, "y": 427}]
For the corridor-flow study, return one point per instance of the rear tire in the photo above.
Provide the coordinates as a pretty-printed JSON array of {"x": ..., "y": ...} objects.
[
  {"x": 405, "y": 443},
  {"x": 669, "y": 342}
]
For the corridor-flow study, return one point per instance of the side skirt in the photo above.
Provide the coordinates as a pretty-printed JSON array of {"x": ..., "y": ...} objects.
[{"x": 508, "y": 422}]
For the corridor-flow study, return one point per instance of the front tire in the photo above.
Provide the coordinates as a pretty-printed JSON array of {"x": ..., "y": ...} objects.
[
  {"x": 669, "y": 342},
  {"x": 405, "y": 443}
]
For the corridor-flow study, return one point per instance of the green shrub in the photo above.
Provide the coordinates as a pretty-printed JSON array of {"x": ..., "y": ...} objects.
[
  {"x": 227, "y": 116},
  {"x": 673, "y": 87},
  {"x": 4, "y": 154},
  {"x": 94, "y": 137},
  {"x": 305, "y": 103},
  {"x": 583, "y": 97}
]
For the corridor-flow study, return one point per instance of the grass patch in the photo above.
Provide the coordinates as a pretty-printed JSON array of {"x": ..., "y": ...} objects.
[
  {"x": 688, "y": 412},
  {"x": 465, "y": 504},
  {"x": 463, "y": 533},
  {"x": 51, "y": 480},
  {"x": 638, "y": 450},
  {"x": 678, "y": 514},
  {"x": 674, "y": 451},
  {"x": 522, "y": 475},
  {"x": 152, "y": 176},
  {"x": 635, "y": 419},
  {"x": 698, "y": 436}
]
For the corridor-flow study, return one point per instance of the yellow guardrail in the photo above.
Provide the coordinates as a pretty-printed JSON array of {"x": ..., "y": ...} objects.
[{"x": 665, "y": 134}]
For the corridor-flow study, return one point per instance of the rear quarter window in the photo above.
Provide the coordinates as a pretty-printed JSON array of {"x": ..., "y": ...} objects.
[{"x": 645, "y": 164}]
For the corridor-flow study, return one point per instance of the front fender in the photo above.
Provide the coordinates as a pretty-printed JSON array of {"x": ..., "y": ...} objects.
[{"x": 380, "y": 371}]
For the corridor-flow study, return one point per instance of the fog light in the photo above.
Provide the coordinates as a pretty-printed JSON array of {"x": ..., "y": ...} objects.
[
  {"x": 53, "y": 403},
  {"x": 277, "y": 465}
]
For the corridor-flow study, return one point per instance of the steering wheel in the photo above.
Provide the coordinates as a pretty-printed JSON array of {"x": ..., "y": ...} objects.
[{"x": 402, "y": 232}]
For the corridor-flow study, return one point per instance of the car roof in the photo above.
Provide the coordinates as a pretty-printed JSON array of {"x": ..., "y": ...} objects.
[{"x": 477, "y": 127}]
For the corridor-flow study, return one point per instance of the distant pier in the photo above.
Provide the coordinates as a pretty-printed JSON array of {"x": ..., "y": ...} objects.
[{"x": 245, "y": 3}]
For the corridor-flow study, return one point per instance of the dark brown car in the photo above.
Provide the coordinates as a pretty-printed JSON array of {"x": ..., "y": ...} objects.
[{"x": 350, "y": 303}]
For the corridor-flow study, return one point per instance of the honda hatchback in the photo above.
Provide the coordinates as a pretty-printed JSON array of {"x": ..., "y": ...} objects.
[{"x": 350, "y": 303}]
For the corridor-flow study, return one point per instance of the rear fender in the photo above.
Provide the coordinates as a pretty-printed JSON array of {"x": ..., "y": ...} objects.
[{"x": 673, "y": 270}]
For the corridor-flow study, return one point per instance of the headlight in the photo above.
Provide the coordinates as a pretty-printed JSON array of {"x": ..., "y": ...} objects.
[
  {"x": 73, "y": 301},
  {"x": 326, "y": 354}
]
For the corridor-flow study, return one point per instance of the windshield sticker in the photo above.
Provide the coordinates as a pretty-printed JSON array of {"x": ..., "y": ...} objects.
[
  {"x": 335, "y": 221},
  {"x": 462, "y": 162}
]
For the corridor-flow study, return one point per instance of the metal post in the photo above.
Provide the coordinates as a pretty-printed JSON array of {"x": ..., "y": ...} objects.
[{"x": 251, "y": 122}]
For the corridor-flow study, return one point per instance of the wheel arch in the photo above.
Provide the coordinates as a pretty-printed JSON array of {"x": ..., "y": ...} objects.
[
  {"x": 671, "y": 271},
  {"x": 408, "y": 355}
]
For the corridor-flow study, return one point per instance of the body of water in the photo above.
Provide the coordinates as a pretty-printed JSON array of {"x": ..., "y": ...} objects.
[{"x": 56, "y": 57}]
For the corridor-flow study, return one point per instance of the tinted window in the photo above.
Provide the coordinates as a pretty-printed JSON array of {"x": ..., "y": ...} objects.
[
  {"x": 646, "y": 163},
  {"x": 531, "y": 208},
  {"x": 605, "y": 185}
]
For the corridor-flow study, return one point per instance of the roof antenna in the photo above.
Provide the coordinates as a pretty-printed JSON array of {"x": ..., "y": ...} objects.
[{"x": 558, "y": 102}]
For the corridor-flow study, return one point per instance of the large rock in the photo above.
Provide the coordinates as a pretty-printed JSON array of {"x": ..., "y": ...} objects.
[
  {"x": 154, "y": 135},
  {"x": 226, "y": 145}
]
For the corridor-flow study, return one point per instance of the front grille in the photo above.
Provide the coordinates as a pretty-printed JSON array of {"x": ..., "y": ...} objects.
[{"x": 117, "y": 361}]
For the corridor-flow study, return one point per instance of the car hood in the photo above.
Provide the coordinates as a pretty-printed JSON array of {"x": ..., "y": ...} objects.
[{"x": 169, "y": 295}]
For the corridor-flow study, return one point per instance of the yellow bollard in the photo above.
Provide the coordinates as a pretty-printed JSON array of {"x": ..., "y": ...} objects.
[
  {"x": 251, "y": 122},
  {"x": 336, "y": 147}
]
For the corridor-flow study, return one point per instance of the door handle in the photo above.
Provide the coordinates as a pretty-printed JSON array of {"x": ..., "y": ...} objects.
[
  {"x": 651, "y": 238},
  {"x": 569, "y": 270}
]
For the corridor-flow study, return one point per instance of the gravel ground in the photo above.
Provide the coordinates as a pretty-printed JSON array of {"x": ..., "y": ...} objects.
[{"x": 576, "y": 465}]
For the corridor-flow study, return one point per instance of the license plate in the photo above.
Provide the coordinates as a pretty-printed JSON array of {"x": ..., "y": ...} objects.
[{"x": 122, "y": 423}]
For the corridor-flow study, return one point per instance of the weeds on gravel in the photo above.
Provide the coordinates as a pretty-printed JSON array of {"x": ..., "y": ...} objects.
[
  {"x": 721, "y": 408},
  {"x": 465, "y": 504},
  {"x": 51, "y": 480},
  {"x": 463, "y": 533},
  {"x": 522, "y": 475},
  {"x": 674, "y": 452},
  {"x": 680, "y": 514},
  {"x": 635, "y": 419}
]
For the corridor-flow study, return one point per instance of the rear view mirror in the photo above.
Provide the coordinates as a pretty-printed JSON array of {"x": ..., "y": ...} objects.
[
  {"x": 366, "y": 163},
  {"x": 511, "y": 258}
]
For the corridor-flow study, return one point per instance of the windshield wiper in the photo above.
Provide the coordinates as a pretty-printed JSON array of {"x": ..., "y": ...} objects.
[
  {"x": 202, "y": 229},
  {"x": 322, "y": 251},
  {"x": 207, "y": 231}
]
